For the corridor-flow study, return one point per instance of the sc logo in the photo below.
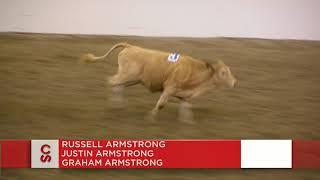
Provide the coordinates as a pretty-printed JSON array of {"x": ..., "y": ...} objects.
[{"x": 45, "y": 151}]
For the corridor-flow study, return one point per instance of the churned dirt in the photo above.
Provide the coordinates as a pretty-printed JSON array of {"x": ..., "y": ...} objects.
[{"x": 46, "y": 93}]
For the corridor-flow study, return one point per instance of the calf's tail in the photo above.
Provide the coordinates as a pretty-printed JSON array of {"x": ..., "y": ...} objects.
[{"x": 92, "y": 58}]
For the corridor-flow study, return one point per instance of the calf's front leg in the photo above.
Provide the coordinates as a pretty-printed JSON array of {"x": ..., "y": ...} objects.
[
  {"x": 185, "y": 113},
  {"x": 160, "y": 104}
]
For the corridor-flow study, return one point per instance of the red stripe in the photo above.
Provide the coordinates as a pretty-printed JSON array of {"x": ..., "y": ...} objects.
[
  {"x": 15, "y": 154},
  {"x": 306, "y": 154},
  {"x": 203, "y": 154}
]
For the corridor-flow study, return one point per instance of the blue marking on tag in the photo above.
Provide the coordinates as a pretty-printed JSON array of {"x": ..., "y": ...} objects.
[{"x": 174, "y": 57}]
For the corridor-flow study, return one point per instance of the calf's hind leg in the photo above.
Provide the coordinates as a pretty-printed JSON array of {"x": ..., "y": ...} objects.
[
  {"x": 119, "y": 81},
  {"x": 118, "y": 84}
]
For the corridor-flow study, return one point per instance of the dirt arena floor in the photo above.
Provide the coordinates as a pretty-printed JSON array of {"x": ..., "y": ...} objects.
[{"x": 46, "y": 93}]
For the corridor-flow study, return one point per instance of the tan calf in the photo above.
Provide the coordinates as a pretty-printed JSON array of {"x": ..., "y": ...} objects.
[{"x": 184, "y": 78}]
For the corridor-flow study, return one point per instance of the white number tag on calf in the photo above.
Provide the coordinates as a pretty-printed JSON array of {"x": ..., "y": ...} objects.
[{"x": 174, "y": 57}]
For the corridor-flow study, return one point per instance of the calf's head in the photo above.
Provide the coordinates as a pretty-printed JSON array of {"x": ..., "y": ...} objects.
[{"x": 223, "y": 76}]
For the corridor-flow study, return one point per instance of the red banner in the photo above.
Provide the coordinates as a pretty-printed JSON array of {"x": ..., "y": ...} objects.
[{"x": 159, "y": 154}]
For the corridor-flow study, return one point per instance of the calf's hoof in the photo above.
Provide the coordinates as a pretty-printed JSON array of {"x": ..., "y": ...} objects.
[
  {"x": 151, "y": 116},
  {"x": 118, "y": 101},
  {"x": 186, "y": 117},
  {"x": 187, "y": 120}
]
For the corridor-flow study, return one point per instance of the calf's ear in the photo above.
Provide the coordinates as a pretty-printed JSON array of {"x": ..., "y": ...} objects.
[{"x": 211, "y": 68}]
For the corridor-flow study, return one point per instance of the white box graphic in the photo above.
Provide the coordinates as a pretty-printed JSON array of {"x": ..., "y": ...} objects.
[
  {"x": 44, "y": 153},
  {"x": 266, "y": 153}
]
